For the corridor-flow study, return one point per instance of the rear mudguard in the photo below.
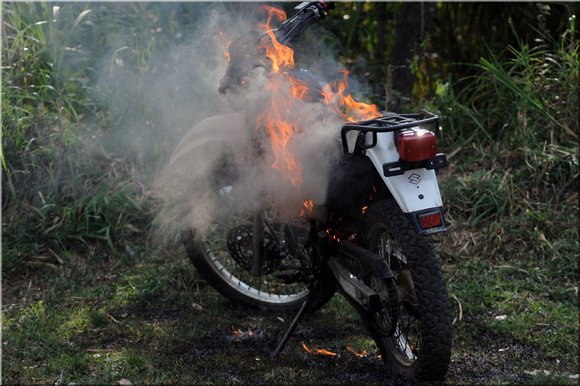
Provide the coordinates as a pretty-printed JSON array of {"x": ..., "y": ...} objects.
[{"x": 416, "y": 191}]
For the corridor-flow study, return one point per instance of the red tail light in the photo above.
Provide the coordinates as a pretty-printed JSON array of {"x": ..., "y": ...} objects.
[
  {"x": 430, "y": 220},
  {"x": 416, "y": 145}
]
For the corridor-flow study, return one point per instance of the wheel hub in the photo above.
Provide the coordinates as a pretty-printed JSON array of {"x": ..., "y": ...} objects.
[
  {"x": 406, "y": 293},
  {"x": 240, "y": 247}
]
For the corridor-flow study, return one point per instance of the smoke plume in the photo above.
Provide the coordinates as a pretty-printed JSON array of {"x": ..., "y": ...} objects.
[
  {"x": 223, "y": 166},
  {"x": 219, "y": 161}
]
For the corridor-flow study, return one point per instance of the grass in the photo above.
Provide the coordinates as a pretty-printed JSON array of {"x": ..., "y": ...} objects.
[
  {"x": 153, "y": 320},
  {"x": 524, "y": 97},
  {"x": 511, "y": 195},
  {"x": 63, "y": 191}
]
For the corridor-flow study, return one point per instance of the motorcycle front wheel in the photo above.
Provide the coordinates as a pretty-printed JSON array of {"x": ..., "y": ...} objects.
[
  {"x": 207, "y": 163},
  {"x": 223, "y": 254},
  {"x": 420, "y": 347}
]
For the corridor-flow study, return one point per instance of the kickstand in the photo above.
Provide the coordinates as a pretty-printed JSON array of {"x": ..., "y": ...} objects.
[{"x": 294, "y": 323}]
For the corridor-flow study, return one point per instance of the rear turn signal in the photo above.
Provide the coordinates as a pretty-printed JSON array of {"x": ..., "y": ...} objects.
[
  {"x": 430, "y": 220},
  {"x": 416, "y": 145}
]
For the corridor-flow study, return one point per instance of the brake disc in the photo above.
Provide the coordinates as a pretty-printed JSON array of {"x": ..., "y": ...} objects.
[{"x": 240, "y": 247}]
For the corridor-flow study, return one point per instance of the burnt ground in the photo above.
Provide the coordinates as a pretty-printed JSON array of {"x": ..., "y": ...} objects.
[
  {"x": 237, "y": 346},
  {"x": 150, "y": 323}
]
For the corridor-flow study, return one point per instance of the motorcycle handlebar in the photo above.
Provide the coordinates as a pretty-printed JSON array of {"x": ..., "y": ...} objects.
[
  {"x": 242, "y": 56},
  {"x": 308, "y": 14}
]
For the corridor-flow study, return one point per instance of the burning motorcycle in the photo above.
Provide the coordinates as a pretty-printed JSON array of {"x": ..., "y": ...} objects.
[{"x": 368, "y": 237}]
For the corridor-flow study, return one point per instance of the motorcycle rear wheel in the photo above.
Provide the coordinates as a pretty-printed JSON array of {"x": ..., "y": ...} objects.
[{"x": 420, "y": 347}]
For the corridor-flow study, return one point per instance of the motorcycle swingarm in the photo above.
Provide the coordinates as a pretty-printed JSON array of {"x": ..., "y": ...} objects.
[{"x": 350, "y": 284}]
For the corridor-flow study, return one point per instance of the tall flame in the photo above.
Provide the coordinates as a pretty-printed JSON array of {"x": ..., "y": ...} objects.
[
  {"x": 344, "y": 104},
  {"x": 280, "y": 120},
  {"x": 280, "y": 56},
  {"x": 281, "y": 133}
]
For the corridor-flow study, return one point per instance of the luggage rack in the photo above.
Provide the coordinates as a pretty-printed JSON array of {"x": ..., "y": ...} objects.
[{"x": 385, "y": 124}]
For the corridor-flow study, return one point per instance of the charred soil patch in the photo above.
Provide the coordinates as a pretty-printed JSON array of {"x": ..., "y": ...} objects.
[{"x": 155, "y": 321}]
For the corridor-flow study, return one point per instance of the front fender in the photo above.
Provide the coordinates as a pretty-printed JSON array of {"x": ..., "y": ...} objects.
[{"x": 211, "y": 137}]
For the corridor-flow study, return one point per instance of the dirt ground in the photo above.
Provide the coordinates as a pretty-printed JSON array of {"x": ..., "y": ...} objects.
[
  {"x": 237, "y": 349},
  {"x": 156, "y": 324}
]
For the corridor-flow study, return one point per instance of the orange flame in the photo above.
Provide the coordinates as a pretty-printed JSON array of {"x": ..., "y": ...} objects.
[
  {"x": 281, "y": 134},
  {"x": 345, "y": 105},
  {"x": 236, "y": 331},
  {"x": 332, "y": 234},
  {"x": 299, "y": 89},
  {"x": 309, "y": 206},
  {"x": 361, "y": 354},
  {"x": 279, "y": 119},
  {"x": 227, "y": 52},
  {"x": 281, "y": 56},
  {"x": 316, "y": 351}
]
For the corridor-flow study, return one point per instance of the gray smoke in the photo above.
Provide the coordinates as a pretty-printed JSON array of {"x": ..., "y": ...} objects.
[
  {"x": 217, "y": 161},
  {"x": 222, "y": 168}
]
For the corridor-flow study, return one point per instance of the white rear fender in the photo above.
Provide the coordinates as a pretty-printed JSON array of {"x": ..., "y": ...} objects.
[{"x": 415, "y": 190}]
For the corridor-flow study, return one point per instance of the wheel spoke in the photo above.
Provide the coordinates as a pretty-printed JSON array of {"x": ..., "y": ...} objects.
[
  {"x": 267, "y": 285},
  {"x": 405, "y": 337},
  {"x": 403, "y": 345}
]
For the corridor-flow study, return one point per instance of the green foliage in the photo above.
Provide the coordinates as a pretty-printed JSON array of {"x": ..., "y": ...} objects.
[
  {"x": 157, "y": 323},
  {"x": 62, "y": 189},
  {"x": 511, "y": 191},
  {"x": 522, "y": 175},
  {"x": 525, "y": 97},
  {"x": 512, "y": 182},
  {"x": 546, "y": 378}
]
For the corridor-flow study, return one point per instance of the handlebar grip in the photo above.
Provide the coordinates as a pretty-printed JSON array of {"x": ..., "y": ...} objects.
[{"x": 308, "y": 13}]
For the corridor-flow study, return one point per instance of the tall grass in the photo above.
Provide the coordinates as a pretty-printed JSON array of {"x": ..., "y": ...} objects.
[
  {"x": 63, "y": 185},
  {"x": 63, "y": 188},
  {"x": 525, "y": 96},
  {"x": 511, "y": 192},
  {"x": 512, "y": 134}
]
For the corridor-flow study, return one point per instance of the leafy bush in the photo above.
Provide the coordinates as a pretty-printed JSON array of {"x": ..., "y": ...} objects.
[
  {"x": 527, "y": 99},
  {"x": 61, "y": 188}
]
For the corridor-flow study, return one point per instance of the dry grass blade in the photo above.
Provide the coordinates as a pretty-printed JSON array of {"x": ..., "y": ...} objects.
[{"x": 459, "y": 318}]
